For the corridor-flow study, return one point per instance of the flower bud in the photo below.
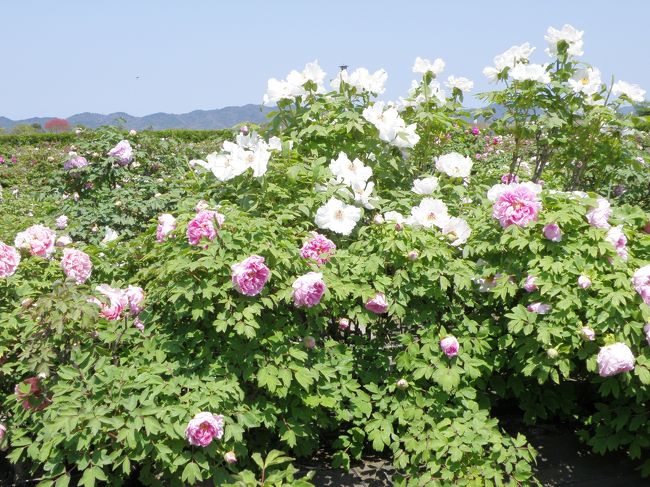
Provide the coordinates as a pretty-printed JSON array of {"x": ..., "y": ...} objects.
[
  {"x": 132, "y": 132},
  {"x": 413, "y": 255},
  {"x": 552, "y": 353},
  {"x": 344, "y": 324},
  {"x": 378, "y": 219},
  {"x": 309, "y": 342},
  {"x": 584, "y": 282},
  {"x": 402, "y": 384},
  {"x": 230, "y": 457},
  {"x": 587, "y": 333}
]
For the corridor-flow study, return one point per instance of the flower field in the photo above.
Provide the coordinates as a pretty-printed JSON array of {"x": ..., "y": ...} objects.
[{"x": 357, "y": 276}]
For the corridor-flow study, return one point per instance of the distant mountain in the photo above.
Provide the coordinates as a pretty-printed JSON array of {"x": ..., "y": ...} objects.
[{"x": 198, "y": 119}]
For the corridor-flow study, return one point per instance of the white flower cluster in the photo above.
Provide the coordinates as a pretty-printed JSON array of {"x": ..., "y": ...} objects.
[
  {"x": 294, "y": 85},
  {"x": 391, "y": 126},
  {"x": 420, "y": 92},
  {"x": 568, "y": 34},
  {"x": 512, "y": 57},
  {"x": 247, "y": 152},
  {"x": 362, "y": 80}
]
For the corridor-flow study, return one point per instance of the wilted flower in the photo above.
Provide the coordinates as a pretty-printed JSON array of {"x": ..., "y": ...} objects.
[
  {"x": 454, "y": 165},
  {"x": 377, "y": 304},
  {"x": 318, "y": 249},
  {"x": 76, "y": 265},
  {"x": 615, "y": 359},
  {"x": 34, "y": 399},
  {"x": 250, "y": 275},
  {"x": 552, "y": 232},
  {"x": 9, "y": 260},
  {"x": 308, "y": 289},
  {"x": 203, "y": 428},
  {"x": 109, "y": 236},
  {"x": 63, "y": 240},
  {"x": 450, "y": 346},
  {"x": 509, "y": 178},
  {"x": 3, "y": 431},
  {"x": 338, "y": 217},
  {"x": 138, "y": 323}
]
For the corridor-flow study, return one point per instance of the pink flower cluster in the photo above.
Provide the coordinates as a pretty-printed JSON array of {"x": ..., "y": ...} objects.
[
  {"x": 202, "y": 226},
  {"x": 119, "y": 299},
  {"x": 614, "y": 359},
  {"x": 203, "y": 428},
  {"x": 76, "y": 265},
  {"x": 516, "y": 205},
  {"x": 250, "y": 275},
  {"x": 9, "y": 260},
  {"x": 552, "y": 232},
  {"x": 308, "y": 289},
  {"x": 166, "y": 225},
  {"x": 318, "y": 249},
  {"x": 38, "y": 239},
  {"x": 123, "y": 152},
  {"x": 641, "y": 283},
  {"x": 377, "y": 304},
  {"x": 450, "y": 346}
]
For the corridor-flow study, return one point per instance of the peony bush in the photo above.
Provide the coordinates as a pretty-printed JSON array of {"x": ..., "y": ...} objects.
[{"x": 354, "y": 276}]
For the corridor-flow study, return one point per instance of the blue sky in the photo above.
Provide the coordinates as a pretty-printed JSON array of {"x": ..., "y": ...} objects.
[{"x": 61, "y": 58}]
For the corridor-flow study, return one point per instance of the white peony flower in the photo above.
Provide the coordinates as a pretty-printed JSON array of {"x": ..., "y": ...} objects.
[
  {"x": 425, "y": 185},
  {"x": 338, "y": 217},
  {"x": 362, "y": 80},
  {"x": 532, "y": 72},
  {"x": 633, "y": 92},
  {"x": 362, "y": 193},
  {"x": 508, "y": 59},
  {"x": 457, "y": 230},
  {"x": 395, "y": 217},
  {"x": 454, "y": 165},
  {"x": 347, "y": 171},
  {"x": 430, "y": 212},
  {"x": 570, "y": 35},
  {"x": 424, "y": 66},
  {"x": 463, "y": 84},
  {"x": 391, "y": 126},
  {"x": 293, "y": 86},
  {"x": 109, "y": 236},
  {"x": 586, "y": 81}
]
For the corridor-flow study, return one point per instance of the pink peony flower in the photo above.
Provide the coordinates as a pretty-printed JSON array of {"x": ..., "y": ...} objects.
[
  {"x": 509, "y": 178},
  {"x": 584, "y": 282},
  {"x": 377, "y": 304},
  {"x": 117, "y": 302},
  {"x": 641, "y": 283},
  {"x": 318, "y": 249},
  {"x": 530, "y": 285},
  {"x": 138, "y": 323},
  {"x": 75, "y": 162},
  {"x": 617, "y": 238},
  {"x": 552, "y": 232},
  {"x": 202, "y": 205},
  {"x": 38, "y": 239},
  {"x": 450, "y": 346},
  {"x": 76, "y": 265},
  {"x": 587, "y": 333},
  {"x": 9, "y": 260},
  {"x": 3, "y": 431},
  {"x": 123, "y": 152},
  {"x": 516, "y": 205},
  {"x": 614, "y": 359},
  {"x": 646, "y": 330},
  {"x": 202, "y": 225},
  {"x": 308, "y": 289},
  {"x": 230, "y": 457},
  {"x": 203, "y": 428},
  {"x": 62, "y": 222},
  {"x": 250, "y": 275},
  {"x": 539, "y": 308},
  {"x": 598, "y": 216},
  {"x": 166, "y": 225},
  {"x": 344, "y": 324},
  {"x": 135, "y": 298}
]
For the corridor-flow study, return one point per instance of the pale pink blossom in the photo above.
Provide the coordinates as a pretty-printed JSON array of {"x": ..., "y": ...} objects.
[
  {"x": 377, "y": 304},
  {"x": 530, "y": 285},
  {"x": 587, "y": 333},
  {"x": 413, "y": 255},
  {"x": 203, "y": 428},
  {"x": 516, "y": 205},
  {"x": 584, "y": 282},
  {"x": 202, "y": 226},
  {"x": 539, "y": 308},
  {"x": 9, "y": 260},
  {"x": 308, "y": 289},
  {"x": 552, "y": 232},
  {"x": 3, "y": 431},
  {"x": 135, "y": 297},
  {"x": 615, "y": 359},
  {"x": 318, "y": 249},
  {"x": 344, "y": 324},
  {"x": 166, "y": 225},
  {"x": 646, "y": 331},
  {"x": 598, "y": 216},
  {"x": 138, "y": 323},
  {"x": 402, "y": 384},
  {"x": 117, "y": 302},
  {"x": 617, "y": 238},
  {"x": 450, "y": 346},
  {"x": 123, "y": 152},
  {"x": 63, "y": 240},
  {"x": 76, "y": 265},
  {"x": 38, "y": 239},
  {"x": 250, "y": 275},
  {"x": 230, "y": 457},
  {"x": 61, "y": 222},
  {"x": 641, "y": 283}
]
